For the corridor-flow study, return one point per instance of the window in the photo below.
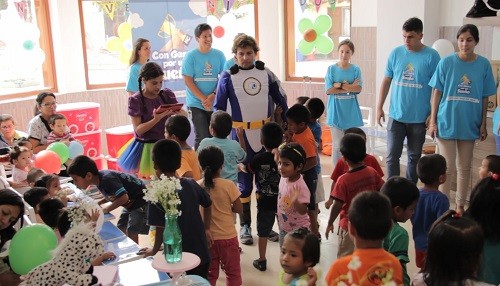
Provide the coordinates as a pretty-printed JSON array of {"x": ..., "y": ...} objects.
[
  {"x": 107, "y": 42},
  {"x": 313, "y": 30},
  {"x": 26, "y": 58}
]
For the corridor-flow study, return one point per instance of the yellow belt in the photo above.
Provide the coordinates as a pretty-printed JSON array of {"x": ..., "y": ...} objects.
[{"x": 251, "y": 124}]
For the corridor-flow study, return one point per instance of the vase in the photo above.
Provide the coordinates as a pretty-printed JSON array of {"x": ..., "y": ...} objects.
[{"x": 172, "y": 240}]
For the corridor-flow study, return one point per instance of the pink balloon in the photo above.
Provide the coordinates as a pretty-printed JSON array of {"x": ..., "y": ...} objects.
[{"x": 48, "y": 161}]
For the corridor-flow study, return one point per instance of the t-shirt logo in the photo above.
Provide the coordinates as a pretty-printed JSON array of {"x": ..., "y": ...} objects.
[
  {"x": 409, "y": 73},
  {"x": 464, "y": 86},
  {"x": 208, "y": 69},
  {"x": 252, "y": 86}
]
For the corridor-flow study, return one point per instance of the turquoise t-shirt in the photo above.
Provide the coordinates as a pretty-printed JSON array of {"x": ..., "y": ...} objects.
[
  {"x": 342, "y": 110},
  {"x": 133, "y": 77},
  {"x": 233, "y": 154},
  {"x": 464, "y": 85},
  {"x": 410, "y": 91},
  {"x": 204, "y": 68},
  {"x": 229, "y": 63}
]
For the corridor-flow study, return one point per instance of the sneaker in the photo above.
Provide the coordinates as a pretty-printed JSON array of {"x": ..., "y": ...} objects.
[
  {"x": 261, "y": 265},
  {"x": 246, "y": 235},
  {"x": 273, "y": 236}
]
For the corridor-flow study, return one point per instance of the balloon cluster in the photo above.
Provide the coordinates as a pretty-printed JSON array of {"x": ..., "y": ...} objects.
[{"x": 56, "y": 154}]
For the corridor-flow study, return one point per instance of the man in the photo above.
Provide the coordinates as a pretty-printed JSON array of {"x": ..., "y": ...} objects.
[
  {"x": 248, "y": 86},
  {"x": 411, "y": 66}
]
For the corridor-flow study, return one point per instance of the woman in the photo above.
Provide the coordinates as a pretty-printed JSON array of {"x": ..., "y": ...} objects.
[
  {"x": 8, "y": 132},
  {"x": 343, "y": 84},
  {"x": 38, "y": 127},
  {"x": 496, "y": 122},
  {"x": 11, "y": 210},
  {"x": 140, "y": 56},
  {"x": 200, "y": 69},
  {"x": 462, "y": 83}
]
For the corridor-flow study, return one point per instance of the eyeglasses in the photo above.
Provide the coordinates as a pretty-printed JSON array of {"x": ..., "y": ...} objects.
[{"x": 49, "y": 104}]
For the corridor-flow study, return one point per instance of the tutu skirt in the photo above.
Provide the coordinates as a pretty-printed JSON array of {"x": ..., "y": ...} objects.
[{"x": 135, "y": 157}]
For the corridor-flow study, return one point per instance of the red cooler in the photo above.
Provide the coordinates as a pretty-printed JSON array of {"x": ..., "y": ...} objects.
[
  {"x": 116, "y": 137},
  {"x": 112, "y": 163},
  {"x": 82, "y": 117},
  {"x": 99, "y": 161},
  {"x": 91, "y": 142}
]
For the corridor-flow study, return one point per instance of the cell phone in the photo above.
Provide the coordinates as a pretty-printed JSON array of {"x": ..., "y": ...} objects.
[{"x": 173, "y": 107}]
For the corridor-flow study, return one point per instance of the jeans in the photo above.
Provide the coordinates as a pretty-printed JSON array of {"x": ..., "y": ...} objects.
[
  {"x": 201, "y": 123},
  {"x": 415, "y": 138}
]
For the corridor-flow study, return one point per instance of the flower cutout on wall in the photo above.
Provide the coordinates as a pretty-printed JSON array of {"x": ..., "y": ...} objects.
[
  {"x": 313, "y": 35},
  {"x": 121, "y": 44}
]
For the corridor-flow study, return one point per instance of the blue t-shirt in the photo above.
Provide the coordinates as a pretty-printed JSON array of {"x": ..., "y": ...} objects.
[
  {"x": 192, "y": 196},
  {"x": 133, "y": 77},
  {"x": 410, "y": 91},
  {"x": 114, "y": 184},
  {"x": 233, "y": 154},
  {"x": 431, "y": 205},
  {"x": 229, "y": 63},
  {"x": 343, "y": 108},
  {"x": 464, "y": 85},
  {"x": 316, "y": 131},
  {"x": 204, "y": 68}
]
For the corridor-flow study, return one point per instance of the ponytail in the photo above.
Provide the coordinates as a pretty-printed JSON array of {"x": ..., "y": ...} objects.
[
  {"x": 208, "y": 178},
  {"x": 211, "y": 160}
]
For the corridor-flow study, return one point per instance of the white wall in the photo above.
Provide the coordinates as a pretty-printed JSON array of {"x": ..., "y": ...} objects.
[
  {"x": 271, "y": 35},
  {"x": 453, "y": 11},
  {"x": 363, "y": 13}
]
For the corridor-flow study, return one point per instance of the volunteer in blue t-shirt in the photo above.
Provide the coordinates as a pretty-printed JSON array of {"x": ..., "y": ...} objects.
[
  {"x": 462, "y": 83},
  {"x": 200, "y": 69},
  {"x": 409, "y": 69},
  {"x": 496, "y": 121},
  {"x": 140, "y": 56}
]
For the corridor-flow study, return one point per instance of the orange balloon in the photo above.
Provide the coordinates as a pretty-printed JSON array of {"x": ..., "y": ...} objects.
[
  {"x": 310, "y": 35},
  {"x": 48, "y": 161}
]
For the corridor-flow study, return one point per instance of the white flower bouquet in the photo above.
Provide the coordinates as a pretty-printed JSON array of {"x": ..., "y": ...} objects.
[{"x": 164, "y": 191}]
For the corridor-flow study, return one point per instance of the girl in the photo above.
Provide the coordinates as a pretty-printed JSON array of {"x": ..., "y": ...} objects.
[
  {"x": 11, "y": 210},
  {"x": 299, "y": 253},
  {"x": 489, "y": 166},
  {"x": 140, "y": 56},
  {"x": 225, "y": 201},
  {"x": 38, "y": 127},
  {"x": 343, "y": 84},
  {"x": 462, "y": 83},
  {"x": 52, "y": 183},
  {"x": 483, "y": 208},
  {"x": 20, "y": 157},
  {"x": 293, "y": 195},
  {"x": 454, "y": 253},
  {"x": 148, "y": 122}
]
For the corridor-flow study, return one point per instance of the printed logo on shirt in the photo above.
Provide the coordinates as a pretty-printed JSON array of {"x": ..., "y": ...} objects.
[
  {"x": 409, "y": 73},
  {"x": 464, "y": 86},
  {"x": 208, "y": 69},
  {"x": 252, "y": 86}
]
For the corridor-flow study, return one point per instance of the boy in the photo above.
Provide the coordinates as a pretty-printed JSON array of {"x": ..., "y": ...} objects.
[
  {"x": 431, "y": 170},
  {"x": 370, "y": 264},
  {"x": 403, "y": 195},
  {"x": 316, "y": 107},
  {"x": 60, "y": 132},
  {"x": 34, "y": 175},
  {"x": 359, "y": 178},
  {"x": 178, "y": 128},
  {"x": 267, "y": 179},
  {"x": 34, "y": 197},
  {"x": 119, "y": 188},
  {"x": 297, "y": 118},
  {"x": 191, "y": 196},
  {"x": 341, "y": 167}
]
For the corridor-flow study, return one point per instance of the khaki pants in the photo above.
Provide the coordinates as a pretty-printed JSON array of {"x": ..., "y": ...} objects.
[{"x": 346, "y": 244}]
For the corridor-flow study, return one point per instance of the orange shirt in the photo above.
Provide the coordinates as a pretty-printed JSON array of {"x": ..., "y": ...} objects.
[
  {"x": 189, "y": 163},
  {"x": 306, "y": 139}
]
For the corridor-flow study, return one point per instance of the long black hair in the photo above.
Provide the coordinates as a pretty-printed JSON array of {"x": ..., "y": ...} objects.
[
  {"x": 10, "y": 197},
  {"x": 211, "y": 160}
]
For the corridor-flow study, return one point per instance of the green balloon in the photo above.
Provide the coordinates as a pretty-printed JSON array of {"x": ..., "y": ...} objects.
[
  {"x": 31, "y": 246},
  {"x": 324, "y": 45},
  {"x": 28, "y": 45},
  {"x": 61, "y": 150},
  {"x": 306, "y": 48},
  {"x": 305, "y": 24},
  {"x": 322, "y": 24}
]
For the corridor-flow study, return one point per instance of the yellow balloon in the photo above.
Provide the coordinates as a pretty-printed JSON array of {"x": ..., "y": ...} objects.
[
  {"x": 125, "y": 31},
  {"x": 113, "y": 44},
  {"x": 125, "y": 56}
]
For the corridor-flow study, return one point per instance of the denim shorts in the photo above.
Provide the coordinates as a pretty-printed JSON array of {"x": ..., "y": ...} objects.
[{"x": 134, "y": 220}]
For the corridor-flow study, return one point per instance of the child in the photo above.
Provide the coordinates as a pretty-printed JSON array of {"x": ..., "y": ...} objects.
[
  {"x": 25, "y": 142},
  {"x": 267, "y": 179},
  {"x": 297, "y": 118},
  {"x": 52, "y": 183},
  {"x": 483, "y": 208},
  {"x": 191, "y": 196},
  {"x": 49, "y": 211},
  {"x": 178, "y": 128},
  {"x": 302, "y": 100},
  {"x": 299, "y": 253},
  {"x": 20, "y": 157},
  {"x": 119, "y": 188},
  {"x": 60, "y": 131},
  {"x": 369, "y": 222},
  {"x": 341, "y": 167},
  {"x": 455, "y": 248},
  {"x": 143, "y": 108},
  {"x": 431, "y": 171},
  {"x": 359, "y": 178},
  {"x": 33, "y": 175},
  {"x": 403, "y": 195},
  {"x": 225, "y": 197},
  {"x": 34, "y": 197},
  {"x": 489, "y": 166},
  {"x": 294, "y": 196}
]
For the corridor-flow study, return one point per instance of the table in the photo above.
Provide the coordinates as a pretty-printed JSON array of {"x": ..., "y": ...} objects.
[
  {"x": 116, "y": 241},
  {"x": 188, "y": 262}
]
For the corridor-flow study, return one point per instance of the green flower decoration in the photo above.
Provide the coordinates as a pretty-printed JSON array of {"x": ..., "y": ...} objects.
[{"x": 313, "y": 35}]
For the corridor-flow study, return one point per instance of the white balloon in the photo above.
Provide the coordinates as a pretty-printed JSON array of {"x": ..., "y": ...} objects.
[{"x": 444, "y": 47}]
